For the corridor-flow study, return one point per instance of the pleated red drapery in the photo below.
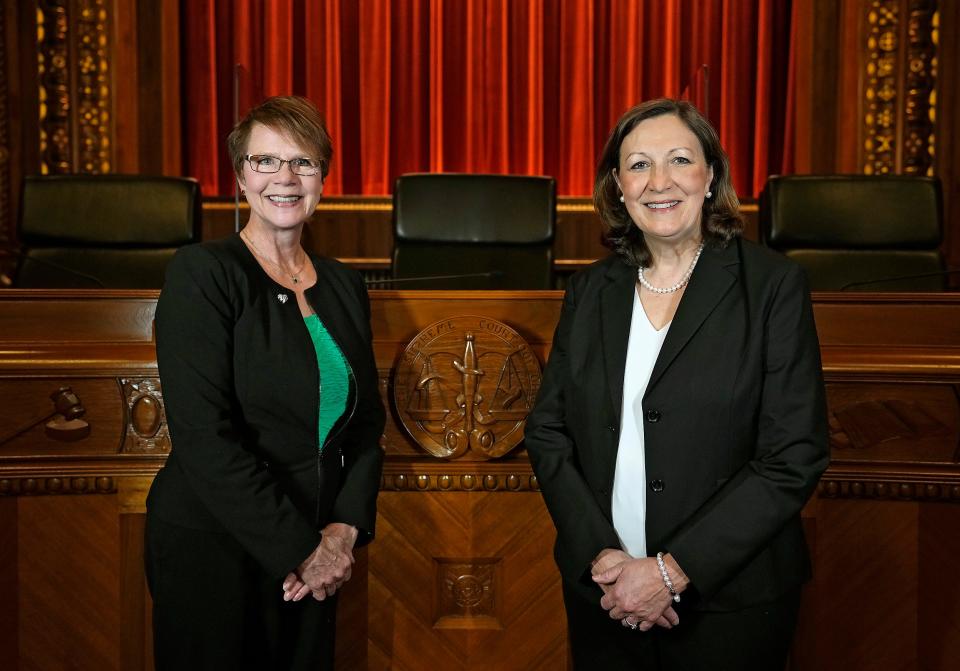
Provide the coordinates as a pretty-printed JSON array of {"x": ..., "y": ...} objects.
[{"x": 505, "y": 86}]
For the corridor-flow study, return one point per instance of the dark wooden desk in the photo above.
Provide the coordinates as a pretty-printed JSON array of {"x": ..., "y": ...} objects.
[{"x": 884, "y": 528}]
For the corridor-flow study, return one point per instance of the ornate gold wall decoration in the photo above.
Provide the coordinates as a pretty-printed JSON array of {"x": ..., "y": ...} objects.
[
  {"x": 466, "y": 384},
  {"x": 93, "y": 87},
  {"x": 74, "y": 86},
  {"x": 921, "y": 78},
  {"x": 880, "y": 91},
  {"x": 900, "y": 81},
  {"x": 53, "y": 79}
]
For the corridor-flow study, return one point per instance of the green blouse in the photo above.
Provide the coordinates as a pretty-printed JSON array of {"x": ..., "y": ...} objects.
[{"x": 334, "y": 377}]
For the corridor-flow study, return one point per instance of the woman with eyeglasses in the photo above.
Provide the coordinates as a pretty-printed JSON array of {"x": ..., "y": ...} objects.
[{"x": 271, "y": 397}]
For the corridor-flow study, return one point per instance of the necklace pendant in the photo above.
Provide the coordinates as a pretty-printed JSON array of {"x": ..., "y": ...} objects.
[{"x": 296, "y": 280}]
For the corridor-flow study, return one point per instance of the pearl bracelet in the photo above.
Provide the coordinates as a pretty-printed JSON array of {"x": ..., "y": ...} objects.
[{"x": 666, "y": 578}]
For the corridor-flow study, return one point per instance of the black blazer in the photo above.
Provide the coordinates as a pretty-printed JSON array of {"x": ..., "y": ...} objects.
[
  {"x": 240, "y": 385},
  {"x": 734, "y": 424}
]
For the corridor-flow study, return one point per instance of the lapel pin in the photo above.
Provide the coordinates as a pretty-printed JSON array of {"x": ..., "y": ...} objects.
[{"x": 282, "y": 298}]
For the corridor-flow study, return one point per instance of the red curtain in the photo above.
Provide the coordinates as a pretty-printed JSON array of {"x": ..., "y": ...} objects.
[{"x": 505, "y": 86}]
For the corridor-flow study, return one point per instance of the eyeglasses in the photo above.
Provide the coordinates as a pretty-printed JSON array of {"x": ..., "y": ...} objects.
[{"x": 305, "y": 167}]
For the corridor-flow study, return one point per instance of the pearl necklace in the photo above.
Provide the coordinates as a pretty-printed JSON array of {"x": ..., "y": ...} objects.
[
  {"x": 294, "y": 277},
  {"x": 676, "y": 287}
]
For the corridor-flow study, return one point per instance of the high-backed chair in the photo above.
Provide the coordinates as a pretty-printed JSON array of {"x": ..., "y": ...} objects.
[
  {"x": 107, "y": 231},
  {"x": 858, "y": 232},
  {"x": 461, "y": 224}
]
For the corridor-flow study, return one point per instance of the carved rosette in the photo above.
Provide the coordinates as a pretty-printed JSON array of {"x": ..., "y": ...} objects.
[
  {"x": 464, "y": 386},
  {"x": 921, "y": 78},
  {"x": 74, "y": 86},
  {"x": 146, "y": 427},
  {"x": 467, "y": 593}
]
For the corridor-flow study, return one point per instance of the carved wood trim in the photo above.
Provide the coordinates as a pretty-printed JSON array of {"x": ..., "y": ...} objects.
[
  {"x": 398, "y": 478},
  {"x": 465, "y": 384},
  {"x": 58, "y": 484},
  {"x": 146, "y": 430},
  {"x": 889, "y": 489}
]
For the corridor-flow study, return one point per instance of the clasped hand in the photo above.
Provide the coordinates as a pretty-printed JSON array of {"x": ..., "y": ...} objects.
[
  {"x": 327, "y": 568},
  {"x": 633, "y": 590}
]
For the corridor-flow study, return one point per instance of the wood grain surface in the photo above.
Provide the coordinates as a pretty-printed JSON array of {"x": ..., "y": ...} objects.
[{"x": 461, "y": 575}]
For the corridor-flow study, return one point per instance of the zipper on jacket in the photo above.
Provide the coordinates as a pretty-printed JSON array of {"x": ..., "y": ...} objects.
[{"x": 331, "y": 436}]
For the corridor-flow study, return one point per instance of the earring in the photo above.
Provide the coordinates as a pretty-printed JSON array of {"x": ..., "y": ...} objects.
[
  {"x": 621, "y": 197},
  {"x": 709, "y": 194}
]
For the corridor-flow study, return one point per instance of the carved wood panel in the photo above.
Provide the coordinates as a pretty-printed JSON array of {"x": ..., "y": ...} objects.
[
  {"x": 463, "y": 580},
  {"x": 461, "y": 574}
]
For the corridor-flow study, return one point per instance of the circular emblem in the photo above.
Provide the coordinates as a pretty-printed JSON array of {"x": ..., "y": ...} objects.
[
  {"x": 466, "y": 383},
  {"x": 468, "y": 591}
]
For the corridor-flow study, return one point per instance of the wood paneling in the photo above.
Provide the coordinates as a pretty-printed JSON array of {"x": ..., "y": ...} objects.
[
  {"x": 938, "y": 589},
  {"x": 9, "y": 586},
  {"x": 68, "y": 582},
  {"x": 861, "y": 546},
  {"x": 464, "y": 580},
  {"x": 461, "y": 575}
]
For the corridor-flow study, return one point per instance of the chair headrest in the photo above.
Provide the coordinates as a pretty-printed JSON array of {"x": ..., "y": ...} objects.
[
  {"x": 109, "y": 210},
  {"x": 453, "y": 207},
  {"x": 851, "y": 211}
]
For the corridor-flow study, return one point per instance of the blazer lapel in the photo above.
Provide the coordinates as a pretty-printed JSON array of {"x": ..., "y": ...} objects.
[
  {"x": 616, "y": 312},
  {"x": 339, "y": 322},
  {"x": 715, "y": 274}
]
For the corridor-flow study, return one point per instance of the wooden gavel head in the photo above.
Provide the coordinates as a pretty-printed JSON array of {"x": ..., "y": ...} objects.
[{"x": 67, "y": 403}]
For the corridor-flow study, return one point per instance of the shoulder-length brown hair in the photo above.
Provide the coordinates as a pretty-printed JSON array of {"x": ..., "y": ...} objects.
[
  {"x": 292, "y": 116},
  {"x": 720, "y": 221}
]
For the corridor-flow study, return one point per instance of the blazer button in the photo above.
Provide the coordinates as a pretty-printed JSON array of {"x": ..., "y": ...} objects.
[
  {"x": 653, "y": 416},
  {"x": 611, "y": 428},
  {"x": 657, "y": 485}
]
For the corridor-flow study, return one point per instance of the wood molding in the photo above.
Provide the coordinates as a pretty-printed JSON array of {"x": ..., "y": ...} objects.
[{"x": 461, "y": 574}]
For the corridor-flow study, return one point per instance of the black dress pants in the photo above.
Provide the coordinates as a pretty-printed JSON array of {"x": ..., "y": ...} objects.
[
  {"x": 214, "y": 607},
  {"x": 752, "y": 639}
]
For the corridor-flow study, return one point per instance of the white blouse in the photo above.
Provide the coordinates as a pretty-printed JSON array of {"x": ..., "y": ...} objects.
[{"x": 630, "y": 478}]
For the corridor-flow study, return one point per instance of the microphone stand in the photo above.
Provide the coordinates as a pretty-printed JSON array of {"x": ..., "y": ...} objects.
[{"x": 493, "y": 274}]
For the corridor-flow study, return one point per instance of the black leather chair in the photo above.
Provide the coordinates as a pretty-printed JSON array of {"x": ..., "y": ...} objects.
[
  {"x": 462, "y": 224},
  {"x": 858, "y": 232},
  {"x": 103, "y": 231}
]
